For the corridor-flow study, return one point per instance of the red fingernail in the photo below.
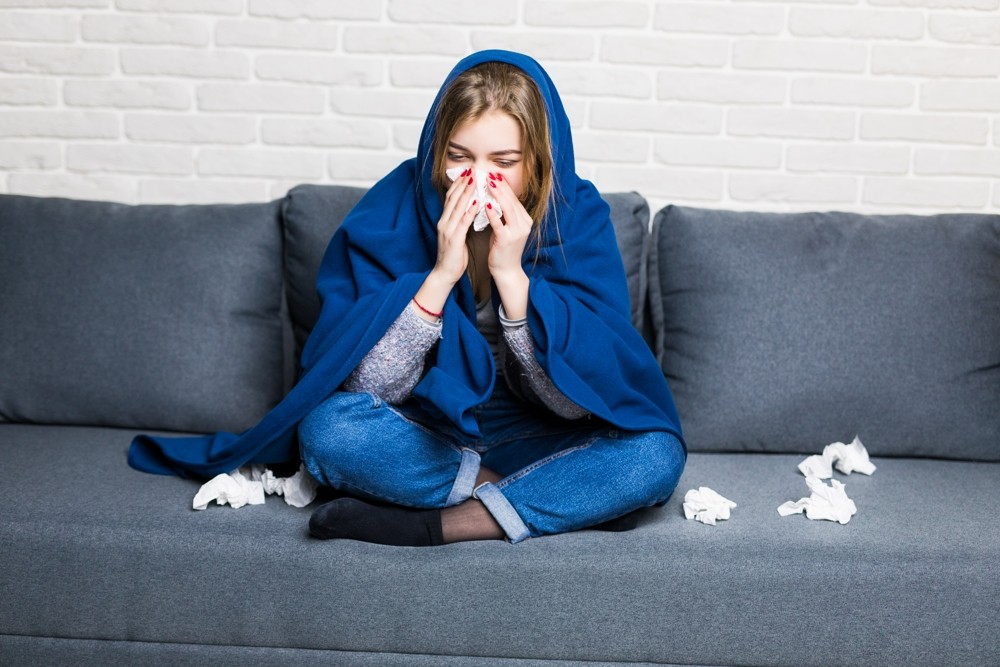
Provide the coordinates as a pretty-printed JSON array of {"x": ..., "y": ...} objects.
[
  {"x": 489, "y": 206},
  {"x": 499, "y": 177},
  {"x": 473, "y": 202},
  {"x": 492, "y": 184},
  {"x": 470, "y": 181},
  {"x": 465, "y": 173}
]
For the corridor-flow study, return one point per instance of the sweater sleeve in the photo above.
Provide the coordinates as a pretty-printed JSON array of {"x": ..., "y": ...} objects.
[
  {"x": 394, "y": 366},
  {"x": 526, "y": 377}
]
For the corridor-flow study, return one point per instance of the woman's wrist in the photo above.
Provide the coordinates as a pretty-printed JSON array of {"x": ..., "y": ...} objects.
[
  {"x": 431, "y": 296},
  {"x": 513, "y": 288}
]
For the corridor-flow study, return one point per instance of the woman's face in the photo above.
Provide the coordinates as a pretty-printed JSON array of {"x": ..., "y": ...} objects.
[{"x": 490, "y": 144}]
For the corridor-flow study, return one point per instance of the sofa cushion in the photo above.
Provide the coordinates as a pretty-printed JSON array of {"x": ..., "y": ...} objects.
[
  {"x": 160, "y": 317},
  {"x": 630, "y": 217},
  {"x": 93, "y": 550},
  {"x": 785, "y": 332},
  {"x": 312, "y": 213}
]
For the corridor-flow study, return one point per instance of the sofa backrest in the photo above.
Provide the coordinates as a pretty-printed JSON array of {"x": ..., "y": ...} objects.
[
  {"x": 786, "y": 332},
  {"x": 147, "y": 317},
  {"x": 776, "y": 332},
  {"x": 175, "y": 317},
  {"x": 311, "y": 215}
]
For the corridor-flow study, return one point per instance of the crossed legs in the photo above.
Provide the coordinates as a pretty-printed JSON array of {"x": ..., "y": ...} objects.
[{"x": 441, "y": 493}]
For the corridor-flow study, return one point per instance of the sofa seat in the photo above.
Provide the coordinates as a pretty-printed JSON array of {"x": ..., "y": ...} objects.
[{"x": 106, "y": 561}]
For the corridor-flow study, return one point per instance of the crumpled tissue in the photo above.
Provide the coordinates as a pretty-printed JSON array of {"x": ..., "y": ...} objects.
[
  {"x": 847, "y": 458},
  {"x": 829, "y": 503},
  {"x": 705, "y": 505},
  {"x": 249, "y": 484},
  {"x": 481, "y": 221}
]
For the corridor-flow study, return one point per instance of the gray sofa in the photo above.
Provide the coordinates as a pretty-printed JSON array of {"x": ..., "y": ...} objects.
[{"x": 779, "y": 334}]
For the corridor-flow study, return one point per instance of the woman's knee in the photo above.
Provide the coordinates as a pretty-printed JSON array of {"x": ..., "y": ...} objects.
[
  {"x": 331, "y": 429},
  {"x": 664, "y": 457}
]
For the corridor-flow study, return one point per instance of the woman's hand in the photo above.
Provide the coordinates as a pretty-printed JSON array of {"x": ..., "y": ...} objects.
[
  {"x": 510, "y": 236},
  {"x": 453, "y": 255},
  {"x": 453, "y": 228}
]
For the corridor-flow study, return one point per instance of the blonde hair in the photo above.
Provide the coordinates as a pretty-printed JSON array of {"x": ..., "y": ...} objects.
[{"x": 498, "y": 86}]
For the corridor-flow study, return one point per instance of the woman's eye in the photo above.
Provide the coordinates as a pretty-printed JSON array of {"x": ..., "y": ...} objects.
[
  {"x": 505, "y": 164},
  {"x": 456, "y": 157}
]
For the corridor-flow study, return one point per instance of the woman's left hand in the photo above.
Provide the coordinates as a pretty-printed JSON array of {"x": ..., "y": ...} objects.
[
  {"x": 510, "y": 233},
  {"x": 510, "y": 236}
]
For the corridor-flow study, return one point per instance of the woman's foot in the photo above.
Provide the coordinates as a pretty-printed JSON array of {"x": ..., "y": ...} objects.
[{"x": 353, "y": 519}]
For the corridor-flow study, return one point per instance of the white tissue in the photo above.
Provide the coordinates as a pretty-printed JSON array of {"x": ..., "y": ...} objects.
[
  {"x": 848, "y": 458},
  {"x": 234, "y": 489},
  {"x": 826, "y": 503},
  {"x": 298, "y": 490},
  {"x": 705, "y": 505},
  {"x": 481, "y": 221},
  {"x": 247, "y": 486}
]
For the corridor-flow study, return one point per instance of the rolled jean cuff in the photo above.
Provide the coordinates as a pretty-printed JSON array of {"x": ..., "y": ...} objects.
[
  {"x": 465, "y": 481},
  {"x": 503, "y": 512}
]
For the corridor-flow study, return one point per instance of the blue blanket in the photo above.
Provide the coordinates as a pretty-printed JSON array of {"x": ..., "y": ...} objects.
[{"x": 578, "y": 311}]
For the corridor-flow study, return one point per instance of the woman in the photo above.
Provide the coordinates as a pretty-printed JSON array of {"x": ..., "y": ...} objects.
[{"x": 465, "y": 385}]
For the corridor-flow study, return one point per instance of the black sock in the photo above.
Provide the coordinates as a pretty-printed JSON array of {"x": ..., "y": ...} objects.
[
  {"x": 621, "y": 524},
  {"x": 353, "y": 519}
]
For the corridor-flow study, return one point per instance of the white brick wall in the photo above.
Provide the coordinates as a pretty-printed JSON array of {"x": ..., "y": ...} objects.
[{"x": 868, "y": 105}]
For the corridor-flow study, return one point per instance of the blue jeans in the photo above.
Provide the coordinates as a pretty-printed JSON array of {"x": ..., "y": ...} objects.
[{"x": 558, "y": 475}]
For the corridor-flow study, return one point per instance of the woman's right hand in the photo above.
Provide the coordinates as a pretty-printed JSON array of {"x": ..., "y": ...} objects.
[
  {"x": 453, "y": 228},
  {"x": 453, "y": 254}
]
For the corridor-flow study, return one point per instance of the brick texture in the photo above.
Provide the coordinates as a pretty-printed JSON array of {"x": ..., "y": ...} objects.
[{"x": 880, "y": 105}]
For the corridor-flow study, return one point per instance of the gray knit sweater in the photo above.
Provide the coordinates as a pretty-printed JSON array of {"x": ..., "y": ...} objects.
[{"x": 393, "y": 367}]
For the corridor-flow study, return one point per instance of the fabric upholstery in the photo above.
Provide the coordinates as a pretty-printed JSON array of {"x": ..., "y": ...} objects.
[
  {"x": 312, "y": 213},
  {"x": 72, "y": 652},
  {"x": 786, "y": 332},
  {"x": 911, "y": 579},
  {"x": 163, "y": 317},
  {"x": 630, "y": 217}
]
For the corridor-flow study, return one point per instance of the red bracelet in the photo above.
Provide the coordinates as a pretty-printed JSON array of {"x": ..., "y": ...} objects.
[{"x": 429, "y": 312}]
